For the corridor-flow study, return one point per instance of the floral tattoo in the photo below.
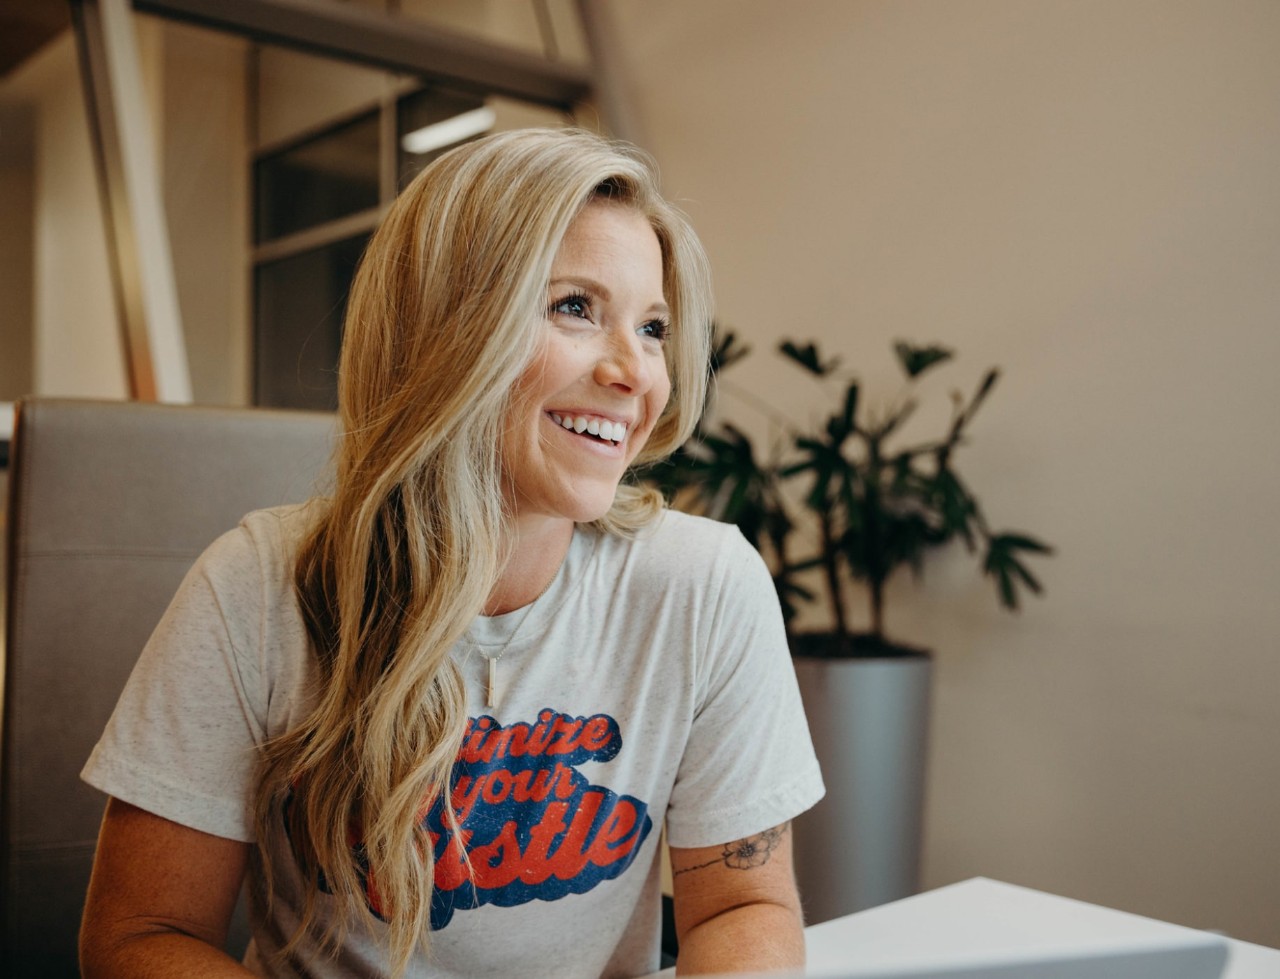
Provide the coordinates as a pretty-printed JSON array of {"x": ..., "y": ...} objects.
[{"x": 754, "y": 851}]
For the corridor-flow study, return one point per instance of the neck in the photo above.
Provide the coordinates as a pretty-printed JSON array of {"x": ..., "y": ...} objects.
[{"x": 539, "y": 550}]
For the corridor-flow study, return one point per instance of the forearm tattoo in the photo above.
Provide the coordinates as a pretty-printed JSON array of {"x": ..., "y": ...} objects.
[{"x": 754, "y": 851}]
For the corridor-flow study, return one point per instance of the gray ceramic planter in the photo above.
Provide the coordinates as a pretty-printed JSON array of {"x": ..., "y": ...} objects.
[{"x": 860, "y": 846}]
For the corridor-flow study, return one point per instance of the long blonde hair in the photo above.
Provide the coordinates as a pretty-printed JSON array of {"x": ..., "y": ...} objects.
[{"x": 444, "y": 316}]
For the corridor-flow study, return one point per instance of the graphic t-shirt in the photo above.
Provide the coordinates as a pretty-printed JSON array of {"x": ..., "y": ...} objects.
[{"x": 650, "y": 684}]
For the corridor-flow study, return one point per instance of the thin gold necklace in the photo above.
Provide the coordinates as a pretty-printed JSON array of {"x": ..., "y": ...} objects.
[{"x": 491, "y": 686}]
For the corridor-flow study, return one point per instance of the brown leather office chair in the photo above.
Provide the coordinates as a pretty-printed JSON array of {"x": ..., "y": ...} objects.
[{"x": 109, "y": 505}]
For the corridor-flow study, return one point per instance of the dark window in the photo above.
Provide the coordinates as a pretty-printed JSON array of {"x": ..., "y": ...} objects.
[
  {"x": 300, "y": 304},
  {"x": 323, "y": 178}
]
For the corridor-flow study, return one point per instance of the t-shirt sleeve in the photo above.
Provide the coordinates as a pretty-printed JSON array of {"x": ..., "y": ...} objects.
[
  {"x": 182, "y": 741},
  {"x": 749, "y": 762}
]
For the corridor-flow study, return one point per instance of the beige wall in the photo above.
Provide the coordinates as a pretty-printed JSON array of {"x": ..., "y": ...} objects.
[
  {"x": 75, "y": 346},
  {"x": 204, "y": 139},
  {"x": 300, "y": 92},
  {"x": 1085, "y": 194}
]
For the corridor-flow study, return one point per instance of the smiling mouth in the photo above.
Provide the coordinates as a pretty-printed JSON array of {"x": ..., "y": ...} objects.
[{"x": 597, "y": 429}]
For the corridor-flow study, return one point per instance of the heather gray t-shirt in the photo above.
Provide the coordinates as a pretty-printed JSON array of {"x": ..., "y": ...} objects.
[{"x": 650, "y": 683}]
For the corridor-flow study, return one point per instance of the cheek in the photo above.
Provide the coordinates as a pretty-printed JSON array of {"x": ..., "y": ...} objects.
[{"x": 656, "y": 403}]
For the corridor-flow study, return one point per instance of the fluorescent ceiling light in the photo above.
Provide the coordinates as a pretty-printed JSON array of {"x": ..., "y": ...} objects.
[{"x": 450, "y": 131}]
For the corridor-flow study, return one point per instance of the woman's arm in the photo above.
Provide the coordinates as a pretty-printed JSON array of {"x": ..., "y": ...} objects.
[
  {"x": 160, "y": 899},
  {"x": 736, "y": 905}
]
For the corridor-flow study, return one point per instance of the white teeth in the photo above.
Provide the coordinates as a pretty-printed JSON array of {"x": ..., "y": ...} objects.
[{"x": 611, "y": 431}]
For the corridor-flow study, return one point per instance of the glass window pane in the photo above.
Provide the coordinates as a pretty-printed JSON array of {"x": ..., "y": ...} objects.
[
  {"x": 469, "y": 116},
  {"x": 418, "y": 112},
  {"x": 300, "y": 303},
  {"x": 317, "y": 180}
]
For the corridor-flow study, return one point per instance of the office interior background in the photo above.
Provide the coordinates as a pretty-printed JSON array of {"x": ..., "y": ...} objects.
[{"x": 1083, "y": 192}]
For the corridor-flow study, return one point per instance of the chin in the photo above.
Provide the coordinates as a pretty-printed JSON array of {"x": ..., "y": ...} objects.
[
  {"x": 589, "y": 511},
  {"x": 576, "y": 503}
]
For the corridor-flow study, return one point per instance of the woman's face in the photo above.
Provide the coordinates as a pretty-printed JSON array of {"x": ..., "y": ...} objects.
[{"x": 586, "y": 405}]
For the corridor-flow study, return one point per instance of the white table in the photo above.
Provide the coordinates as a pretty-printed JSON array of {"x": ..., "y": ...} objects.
[{"x": 983, "y": 914}]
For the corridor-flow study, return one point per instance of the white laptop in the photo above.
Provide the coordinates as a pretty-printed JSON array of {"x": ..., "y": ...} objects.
[{"x": 984, "y": 929}]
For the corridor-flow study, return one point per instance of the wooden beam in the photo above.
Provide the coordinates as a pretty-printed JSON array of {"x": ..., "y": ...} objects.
[
  {"x": 129, "y": 186},
  {"x": 353, "y": 33}
]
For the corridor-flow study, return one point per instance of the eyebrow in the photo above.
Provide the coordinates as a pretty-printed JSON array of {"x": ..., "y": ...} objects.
[{"x": 599, "y": 289}]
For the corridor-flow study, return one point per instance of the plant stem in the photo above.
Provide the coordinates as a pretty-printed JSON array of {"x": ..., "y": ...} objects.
[
  {"x": 832, "y": 570},
  {"x": 871, "y": 532},
  {"x": 877, "y": 608}
]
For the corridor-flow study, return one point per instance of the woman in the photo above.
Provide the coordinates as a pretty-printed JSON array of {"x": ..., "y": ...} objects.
[{"x": 438, "y": 719}]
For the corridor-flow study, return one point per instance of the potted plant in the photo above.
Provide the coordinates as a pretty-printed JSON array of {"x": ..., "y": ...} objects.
[{"x": 850, "y": 501}]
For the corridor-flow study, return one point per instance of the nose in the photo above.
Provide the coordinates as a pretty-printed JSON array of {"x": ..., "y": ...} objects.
[{"x": 626, "y": 365}]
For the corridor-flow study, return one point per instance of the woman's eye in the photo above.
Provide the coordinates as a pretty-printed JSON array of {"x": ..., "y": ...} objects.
[
  {"x": 656, "y": 329},
  {"x": 577, "y": 306}
]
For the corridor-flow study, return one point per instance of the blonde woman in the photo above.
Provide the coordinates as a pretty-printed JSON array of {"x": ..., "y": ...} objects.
[{"x": 438, "y": 719}]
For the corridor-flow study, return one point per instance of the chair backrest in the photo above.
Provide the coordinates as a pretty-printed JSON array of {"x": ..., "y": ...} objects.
[{"x": 109, "y": 505}]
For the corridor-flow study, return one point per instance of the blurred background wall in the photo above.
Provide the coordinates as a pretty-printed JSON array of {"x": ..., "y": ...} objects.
[{"x": 1083, "y": 193}]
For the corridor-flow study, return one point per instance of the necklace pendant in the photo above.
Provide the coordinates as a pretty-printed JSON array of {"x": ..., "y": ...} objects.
[{"x": 491, "y": 689}]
